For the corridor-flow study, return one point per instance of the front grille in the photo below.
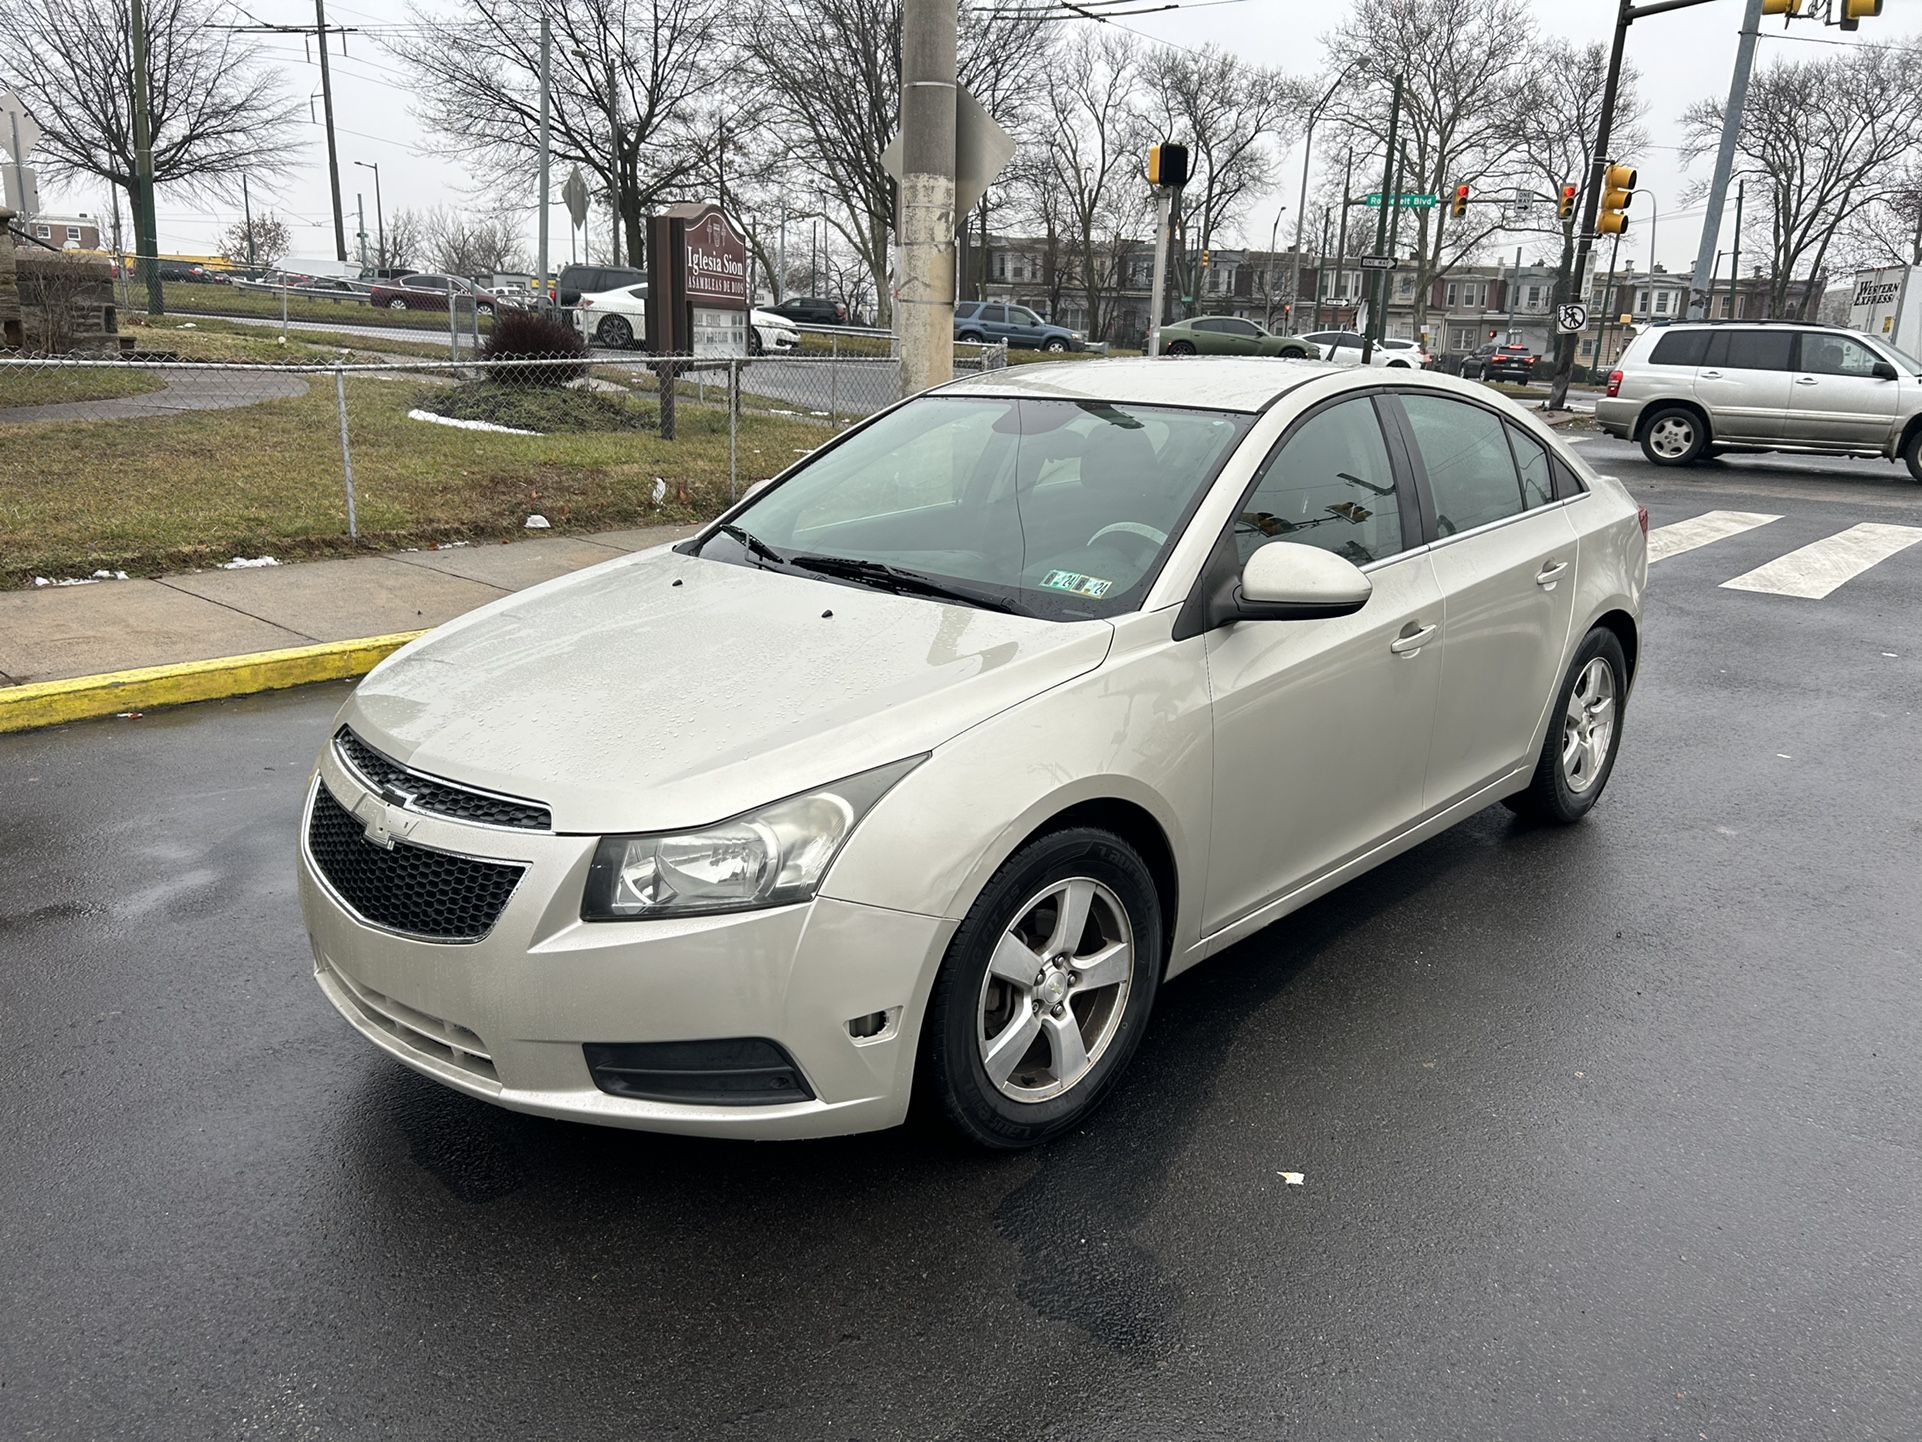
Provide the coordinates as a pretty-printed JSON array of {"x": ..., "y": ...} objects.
[
  {"x": 430, "y": 794},
  {"x": 444, "y": 1040},
  {"x": 424, "y": 893}
]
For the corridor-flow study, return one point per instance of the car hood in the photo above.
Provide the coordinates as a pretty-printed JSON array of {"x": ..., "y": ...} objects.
[{"x": 662, "y": 690}]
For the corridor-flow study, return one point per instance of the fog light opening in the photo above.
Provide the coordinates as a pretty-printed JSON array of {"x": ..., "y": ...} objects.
[{"x": 875, "y": 1026}]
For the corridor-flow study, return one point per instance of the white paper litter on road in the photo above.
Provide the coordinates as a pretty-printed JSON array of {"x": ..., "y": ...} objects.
[
  {"x": 536, "y": 523},
  {"x": 660, "y": 490},
  {"x": 248, "y": 563},
  {"x": 419, "y": 415},
  {"x": 1294, "y": 1179}
]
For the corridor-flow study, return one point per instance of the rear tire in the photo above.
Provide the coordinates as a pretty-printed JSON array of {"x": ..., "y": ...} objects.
[
  {"x": 1181, "y": 347},
  {"x": 982, "y": 1009},
  {"x": 614, "y": 331},
  {"x": 1584, "y": 735},
  {"x": 1674, "y": 436},
  {"x": 397, "y": 304}
]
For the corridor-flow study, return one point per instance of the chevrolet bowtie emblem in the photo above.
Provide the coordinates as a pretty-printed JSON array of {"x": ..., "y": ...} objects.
[{"x": 381, "y": 821}]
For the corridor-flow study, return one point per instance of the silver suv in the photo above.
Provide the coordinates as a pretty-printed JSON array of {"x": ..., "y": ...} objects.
[{"x": 1691, "y": 392}]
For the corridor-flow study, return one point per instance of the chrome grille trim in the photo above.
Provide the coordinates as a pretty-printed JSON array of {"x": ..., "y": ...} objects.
[{"x": 413, "y": 790}]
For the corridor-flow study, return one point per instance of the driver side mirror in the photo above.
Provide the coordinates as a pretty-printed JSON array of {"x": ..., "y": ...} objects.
[
  {"x": 1287, "y": 581},
  {"x": 1883, "y": 371}
]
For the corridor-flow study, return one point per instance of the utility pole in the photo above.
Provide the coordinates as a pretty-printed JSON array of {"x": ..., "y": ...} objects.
[
  {"x": 327, "y": 109},
  {"x": 1388, "y": 199},
  {"x": 1514, "y": 284},
  {"x": 247, "y": 219},
  {"x": 380, "y": 222},
  {"x": 1724, "y": 158},
  {"x": 360, "y": 223},
  {"x": 1341, "y": 238},
  {"x": 1321, "y": 267},
  {"x": 540, "y": 245},
  {"x": 146, "y": 229},
  {"x": 925, "y": 320},
  {"x": 1301, "y": 202},
  {"x": 614, "y": 175},
  {"x": 1735, "y": 256}
]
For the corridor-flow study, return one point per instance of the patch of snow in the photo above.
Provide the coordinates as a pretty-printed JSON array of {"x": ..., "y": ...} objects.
[
  {"x": 420, "y": 415},
  {"x": 248, "y": 563},
  {"x": 537, "y": 523}
]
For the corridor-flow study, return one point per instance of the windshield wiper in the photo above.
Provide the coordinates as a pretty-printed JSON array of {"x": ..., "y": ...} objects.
[
  {"x": 752, "y": 544},
  {"x": 893, "y": 578}
]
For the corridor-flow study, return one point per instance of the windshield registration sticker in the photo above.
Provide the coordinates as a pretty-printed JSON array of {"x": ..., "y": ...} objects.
[{"x": 1079, "y": 584}]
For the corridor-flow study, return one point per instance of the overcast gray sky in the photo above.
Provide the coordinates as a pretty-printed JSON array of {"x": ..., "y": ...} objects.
[{"x": 1682, "y": 57}]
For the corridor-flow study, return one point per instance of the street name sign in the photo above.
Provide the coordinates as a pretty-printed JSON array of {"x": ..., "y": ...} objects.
[{"x": 1409, "y": 200}]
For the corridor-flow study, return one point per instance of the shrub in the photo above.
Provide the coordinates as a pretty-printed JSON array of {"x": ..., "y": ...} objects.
[
  {"x": 550, "y": 410},
  {"x": 521, "y": 335}
]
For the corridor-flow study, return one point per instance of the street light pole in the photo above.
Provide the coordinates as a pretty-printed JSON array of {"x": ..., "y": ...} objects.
[
  {"x": 542, "y": 181},
  {"x": 380, "y": 224},
  {"x": 1301, "y": 203},
  {"x": 1273, "y": 231}
]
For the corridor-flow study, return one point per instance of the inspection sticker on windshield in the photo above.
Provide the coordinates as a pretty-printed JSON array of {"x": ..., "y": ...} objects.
[{"x": 1076, "y": 582}]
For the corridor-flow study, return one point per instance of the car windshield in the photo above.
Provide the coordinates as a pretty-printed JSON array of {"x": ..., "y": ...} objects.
[{"x": 1059, "y": 509}]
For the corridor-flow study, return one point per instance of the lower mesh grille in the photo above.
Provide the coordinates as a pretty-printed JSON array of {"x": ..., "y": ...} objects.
[
  {"x": 443, "y": 1040},
  {"x": 424, "y": 893}
]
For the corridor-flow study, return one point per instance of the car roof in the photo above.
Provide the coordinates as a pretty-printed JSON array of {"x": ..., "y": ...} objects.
[{"x": 1222, "y": 383}]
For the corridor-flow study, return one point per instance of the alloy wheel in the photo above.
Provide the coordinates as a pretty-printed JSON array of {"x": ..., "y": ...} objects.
[
  {"x": 1589, "y": 726},
  {"x": 1671, "y": 437},
  {"x": 1056, "y": 989}
]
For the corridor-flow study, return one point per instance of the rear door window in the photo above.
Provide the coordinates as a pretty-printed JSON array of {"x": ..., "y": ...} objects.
[
  {"x": 1471, "y": 473},
  {"x": 1751, "y": 350},
  {"x": 1680, "y": 348},
  {"x": 1531, "y": 460}
]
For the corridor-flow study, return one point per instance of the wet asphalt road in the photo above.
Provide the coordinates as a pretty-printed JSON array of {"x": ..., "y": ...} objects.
[{"x": 1607, "y": 1133}]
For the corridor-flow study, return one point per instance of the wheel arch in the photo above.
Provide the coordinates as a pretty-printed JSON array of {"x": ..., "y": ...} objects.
[
  {"x": 1626, "y": 631},
  {"x": 1653, "y": 408},
  {"x": 1909, "y": 433},
  {"x": 1137, "y": 826}
]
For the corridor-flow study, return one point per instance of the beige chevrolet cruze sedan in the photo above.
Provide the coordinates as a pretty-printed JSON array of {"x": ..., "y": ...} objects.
[{"x": 917, "y": 774}]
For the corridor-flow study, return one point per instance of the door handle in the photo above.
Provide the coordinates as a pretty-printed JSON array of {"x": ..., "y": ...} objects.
[
  {"x": 1807, "y": 381},
  {"x": 1550, "y": 573},
  {"x": 1409, "y": 642},
  {"x": 1711, "y": 375}
]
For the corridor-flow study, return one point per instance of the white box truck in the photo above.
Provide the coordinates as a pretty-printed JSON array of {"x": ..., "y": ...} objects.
[{"x": 1888, "y": 304}]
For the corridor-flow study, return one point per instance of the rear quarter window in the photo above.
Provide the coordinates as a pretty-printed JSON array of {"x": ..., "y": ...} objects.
[{"x": 1680, "y": 348}]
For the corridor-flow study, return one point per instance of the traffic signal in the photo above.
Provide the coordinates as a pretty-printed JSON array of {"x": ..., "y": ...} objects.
[
  {"x": 1565, "y": 207},
  {"x": 1782, "y": 7},
  {"x": 1854, "y": 12},
  {"x": 1460, "y": 207},
  {"x": 1207, "y": 257},
  {"x": 1168, "y": 164},
  {"x": 1618, "y": 181}
]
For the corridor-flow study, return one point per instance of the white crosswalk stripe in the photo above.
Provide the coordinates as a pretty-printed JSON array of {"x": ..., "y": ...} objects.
[
  {"x": 1666, "y": 541},
  {"x": 1814, "y": 570}
]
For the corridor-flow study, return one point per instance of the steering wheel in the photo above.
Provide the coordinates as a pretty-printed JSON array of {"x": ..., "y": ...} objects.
[{"x": 1154, "y": 540}]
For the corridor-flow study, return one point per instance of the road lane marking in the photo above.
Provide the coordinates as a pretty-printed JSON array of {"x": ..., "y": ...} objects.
[
  {"x": 1666, "y": 541},
  {"x": 1813, "y": 571}
]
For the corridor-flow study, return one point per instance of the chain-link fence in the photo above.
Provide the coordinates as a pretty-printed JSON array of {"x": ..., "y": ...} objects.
[{"x": 157, "y": 461}]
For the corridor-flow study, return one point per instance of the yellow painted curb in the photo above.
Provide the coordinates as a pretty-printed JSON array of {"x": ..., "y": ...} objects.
[{"x": 49, "y": 703}]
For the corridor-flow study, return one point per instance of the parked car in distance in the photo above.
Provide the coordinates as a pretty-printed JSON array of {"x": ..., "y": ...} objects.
[
  {"x": 770, "y": 333},
  {"x": 1499, "y": 361},
  {"x": 427, "y": 290},
  {"x": 1231, "y": 335},
  {"x": 575, "y": 281},
  {"x": 1409, "y": 350},
  {"x": 1344, "y": 347},
  {"x": 1021, "y": 328},
  {"x": 183, "y": 271},
  {"x": 618, "y": 319},
  {"x": 1695, "y": 391},
  {"x": 918, "y": 771},
  {"x": 811, "y": 310},
  {"x": 371, "y": 273}
]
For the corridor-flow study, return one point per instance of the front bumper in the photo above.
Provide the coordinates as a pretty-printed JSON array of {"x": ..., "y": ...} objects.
[{"x": 505, "y": 1018}]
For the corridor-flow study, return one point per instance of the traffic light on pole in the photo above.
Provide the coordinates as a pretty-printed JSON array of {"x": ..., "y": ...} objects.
[
  {"x": 1460, "y": 207},
  {"x": 1854, "y": 12},
  {"x": 1565, "y": 206},
  {"x": 1782, "y": 7},
  {"x": 1207, "y": 258},
  {"x": 1168, "y": 165},
  {"x": 1618, "y": 181}
]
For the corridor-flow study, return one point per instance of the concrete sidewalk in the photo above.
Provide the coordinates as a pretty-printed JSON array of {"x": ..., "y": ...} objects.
[{"x": 60, "y": 632}]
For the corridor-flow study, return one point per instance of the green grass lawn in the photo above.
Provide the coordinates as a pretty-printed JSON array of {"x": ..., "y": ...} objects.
[
  {"x": 239, "y": 300},
  {"x": 161, "y": 494},
  {"x": 36, "y": 386}
]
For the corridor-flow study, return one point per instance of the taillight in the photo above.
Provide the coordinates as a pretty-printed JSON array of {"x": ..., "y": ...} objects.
[
  {"x": 584, "y": 303},
  {"x": 1614, "y": 384},
  {"x": 1641, "y": 512}
]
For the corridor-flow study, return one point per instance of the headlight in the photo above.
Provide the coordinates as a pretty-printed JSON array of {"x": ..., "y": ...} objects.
[{"x": 768, "y": 857}]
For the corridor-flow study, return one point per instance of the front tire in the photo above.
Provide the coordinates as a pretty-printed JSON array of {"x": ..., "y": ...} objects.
[
  {"x": 1584, "y": 735},
  {"x": 1055, "y": 345},
  {"x": 397, "y": 303},
  {"x": 1674, "y": 436},
  {"x": 615, "y": 332},
  {"x": 1045, "y": 991},
  {"x": 1912, "y": 454},
  {"x": 972, "y": 337}
]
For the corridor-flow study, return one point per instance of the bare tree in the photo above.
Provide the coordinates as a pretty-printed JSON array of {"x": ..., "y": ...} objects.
[
  {"x": 402, "y": 242},
  {"x": 1888, "y": 229},
  {"x": 1463, "y": 67},
  {"x": 216, "y": 113},
  {"x": 1826, "y": 137},
  {"x": 830, "y": 74},
  {"x": 1227, "y": 111},
  {"x": 473, "y": 243},
  {"x": 628, "y": 75},
  {"x": 257, "y": 245},
  {"x": 1556, "y": 121}
]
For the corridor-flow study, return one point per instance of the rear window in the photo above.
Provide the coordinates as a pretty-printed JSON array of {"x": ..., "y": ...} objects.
[{"x": 1680, "y": 348}]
